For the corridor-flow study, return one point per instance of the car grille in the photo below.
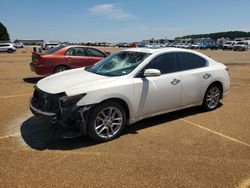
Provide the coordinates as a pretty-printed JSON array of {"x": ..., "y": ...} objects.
[{"x": 46, "y": 102}]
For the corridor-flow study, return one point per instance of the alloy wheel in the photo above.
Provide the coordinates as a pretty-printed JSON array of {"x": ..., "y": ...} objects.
[
  {"x": 108, "y": 122},
  {"x": 213, "y": 97}
]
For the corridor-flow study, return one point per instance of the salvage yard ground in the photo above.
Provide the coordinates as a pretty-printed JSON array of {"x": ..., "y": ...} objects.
[{"x": 188, "y": 148}]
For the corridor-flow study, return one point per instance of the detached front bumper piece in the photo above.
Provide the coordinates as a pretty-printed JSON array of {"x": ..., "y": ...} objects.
[{"x": 46, "y": 116}]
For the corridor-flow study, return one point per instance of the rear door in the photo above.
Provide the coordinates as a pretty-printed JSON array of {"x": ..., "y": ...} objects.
[
  {"x": 195, "y": 76},
  {"x": 3, "y": 47},
  {"x": 160, "y": 93}
]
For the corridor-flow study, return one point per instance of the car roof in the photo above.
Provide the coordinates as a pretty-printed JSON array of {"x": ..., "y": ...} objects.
[
  {"x": 167, "y": 49},
  {"x": 6, "y": 43},
  {"x": 156, "y": 50}
]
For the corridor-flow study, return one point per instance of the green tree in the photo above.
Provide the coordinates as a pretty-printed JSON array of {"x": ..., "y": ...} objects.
[
  {"x": 229, "y": 34},
  {"x": 4, "y": 35}
]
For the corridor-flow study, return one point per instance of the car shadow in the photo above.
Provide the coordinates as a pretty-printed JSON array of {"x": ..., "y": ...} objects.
[
  {"x": 32, "y": 80},
  {"x": 40, "y": 135}
]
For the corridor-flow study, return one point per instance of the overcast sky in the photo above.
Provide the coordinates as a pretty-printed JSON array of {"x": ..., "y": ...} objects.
[{"x": 118, "y": 21}]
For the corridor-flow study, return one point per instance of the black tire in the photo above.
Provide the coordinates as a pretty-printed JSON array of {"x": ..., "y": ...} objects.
[
  {"x": 96, "y": 116},
  {"x": 211, "y": 102},
  {"x": 10, "y": 51},
  {"x": 60, "y": 69}
]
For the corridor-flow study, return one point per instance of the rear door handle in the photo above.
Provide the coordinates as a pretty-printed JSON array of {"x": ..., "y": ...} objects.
[
  {"x": 175, "y": 81},
  {"x": 206, "y": 76}
]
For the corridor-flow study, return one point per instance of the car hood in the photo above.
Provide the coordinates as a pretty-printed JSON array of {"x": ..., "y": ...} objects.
[{"x": 73, "y": 81}]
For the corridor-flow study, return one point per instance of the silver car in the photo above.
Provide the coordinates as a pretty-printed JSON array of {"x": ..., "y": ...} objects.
[{"x": 7, "y": 47}]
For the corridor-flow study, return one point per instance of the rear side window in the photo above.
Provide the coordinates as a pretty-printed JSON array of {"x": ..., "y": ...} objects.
[
  {"x": 166, "y": 63},
  {"x": 4, "y": 45},
  {"x": 54, "y": 49},
  {"x": 188, "y": 61}
]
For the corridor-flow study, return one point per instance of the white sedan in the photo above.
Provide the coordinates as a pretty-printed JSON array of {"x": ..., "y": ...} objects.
[{"x": 126, "y": 87}]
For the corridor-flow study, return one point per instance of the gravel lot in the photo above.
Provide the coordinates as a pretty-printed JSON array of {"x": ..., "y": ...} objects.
[{"x": 187, "y": 148}]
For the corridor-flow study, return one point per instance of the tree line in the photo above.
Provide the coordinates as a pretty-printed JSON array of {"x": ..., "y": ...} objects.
[{"x": 229, "y": 34}]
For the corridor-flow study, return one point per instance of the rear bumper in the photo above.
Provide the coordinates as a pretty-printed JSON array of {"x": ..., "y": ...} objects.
[
  {"x": 46, "y": 116},
  {"x": 41, "y": 69}
]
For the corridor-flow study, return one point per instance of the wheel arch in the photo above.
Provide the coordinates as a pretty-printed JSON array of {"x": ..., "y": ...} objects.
[
  {"x": 218, "y": 83},
  {"x": 60, "y": 65},
  {"x": 121, "y": 102}
]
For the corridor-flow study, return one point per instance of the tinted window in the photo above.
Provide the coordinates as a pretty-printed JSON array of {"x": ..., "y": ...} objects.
[
  {"x": 93, "y": 52},
  {"x": 189, "y": 61},
  {"x": 165, "y": 63},
  {"x": 4, "y": 45},
  {"x": 75, "y": 52},
  {"x": 53, "y": 50}
]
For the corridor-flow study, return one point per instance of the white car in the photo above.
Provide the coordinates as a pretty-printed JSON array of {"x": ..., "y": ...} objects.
[
  {"x": 129, "y": 86},
  {"x": 19, "y": 45},
  {"x": 228, "y": 45},
  {"x": 7, "y": 47},
  {"x": 241, "y": 46}
]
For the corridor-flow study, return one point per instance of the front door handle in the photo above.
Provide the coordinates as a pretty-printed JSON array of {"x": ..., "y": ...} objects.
[
  {"x": 206, "y": 76},
  {"x": 69, "y": 58},
  {"x": 175, "y": 81}
]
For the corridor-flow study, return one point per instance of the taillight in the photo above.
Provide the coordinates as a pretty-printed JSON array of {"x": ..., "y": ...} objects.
[
  {"x": 39, "y": 59},
  {"x": 228, "y": 72}
]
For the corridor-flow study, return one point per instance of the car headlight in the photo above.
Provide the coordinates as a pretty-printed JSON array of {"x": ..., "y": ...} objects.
[{"x": 70, "y": 101}]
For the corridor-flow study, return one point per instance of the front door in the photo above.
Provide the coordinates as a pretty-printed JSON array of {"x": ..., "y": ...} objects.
[{"x": 160, "y": 93}]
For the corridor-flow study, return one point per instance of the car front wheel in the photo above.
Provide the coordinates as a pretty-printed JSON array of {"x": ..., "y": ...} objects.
[
  {"x": 212, "y": 97},
  {"x": 106, "y": 121}
]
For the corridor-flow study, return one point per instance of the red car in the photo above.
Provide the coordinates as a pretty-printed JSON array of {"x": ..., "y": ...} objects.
[{"x": 63, "y": 57}]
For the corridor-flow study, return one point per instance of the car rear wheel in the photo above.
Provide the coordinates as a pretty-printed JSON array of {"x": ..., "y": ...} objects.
[
  {"x": 10, "y": 51},
  {"x": 212, "y": 97},
  {"x": 106, "y": 121},
  {"x": 60, "y": 69}
]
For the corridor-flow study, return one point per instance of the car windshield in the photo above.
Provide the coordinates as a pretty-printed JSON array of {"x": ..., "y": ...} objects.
[
  {"x": 54, "y": 49},
  {"x": 118, "y": 64},
  {"x": 228, "y": 43},
  {"x": 240, "y": 43}
]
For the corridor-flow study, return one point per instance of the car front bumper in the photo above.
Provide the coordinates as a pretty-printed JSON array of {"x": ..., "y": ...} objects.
[{"x": 46, "y": 116}]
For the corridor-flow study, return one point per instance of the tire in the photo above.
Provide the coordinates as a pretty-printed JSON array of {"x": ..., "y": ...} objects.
[
  {"x": 212, "y": 97},
  {"x": 101, "y": 122},
  {"x": 60, "y": 69},
  {"x": 10, "y": 51}
]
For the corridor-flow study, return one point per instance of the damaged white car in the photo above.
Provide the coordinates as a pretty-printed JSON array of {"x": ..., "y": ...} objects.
[{"x": 129, "y": 86}]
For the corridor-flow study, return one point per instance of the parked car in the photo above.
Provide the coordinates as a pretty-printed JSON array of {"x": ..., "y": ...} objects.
[
  {"x": 187, "y": 46},
  {"x": 7, "y": 47},
  {"x": 127, "y": 87},
  {"x": 19, "y": 45},
  {"x": 195, "y": 46},
  {"x": 49, "y": 45},
  {"x": 63, "y": 57},
  {"x": 214, "y": 47},
  {"x": 240, "y": 46},
  {"x": 228, "y": 45}
]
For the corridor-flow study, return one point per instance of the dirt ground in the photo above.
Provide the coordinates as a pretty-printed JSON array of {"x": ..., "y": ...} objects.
[{"x": 187, "y": 148}]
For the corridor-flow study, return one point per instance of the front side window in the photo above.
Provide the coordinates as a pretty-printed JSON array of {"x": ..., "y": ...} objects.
[
  {"x": 118, "y": 64},
  {"x": 93, "y": 52},
  {"x": 75, "y": 52},
  {"x": 165, "y": 63},
  {"x": 188, "y": 61}
]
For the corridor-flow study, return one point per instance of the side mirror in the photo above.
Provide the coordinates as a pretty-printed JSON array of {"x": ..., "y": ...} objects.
[{"x": 151, "y": 72}]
